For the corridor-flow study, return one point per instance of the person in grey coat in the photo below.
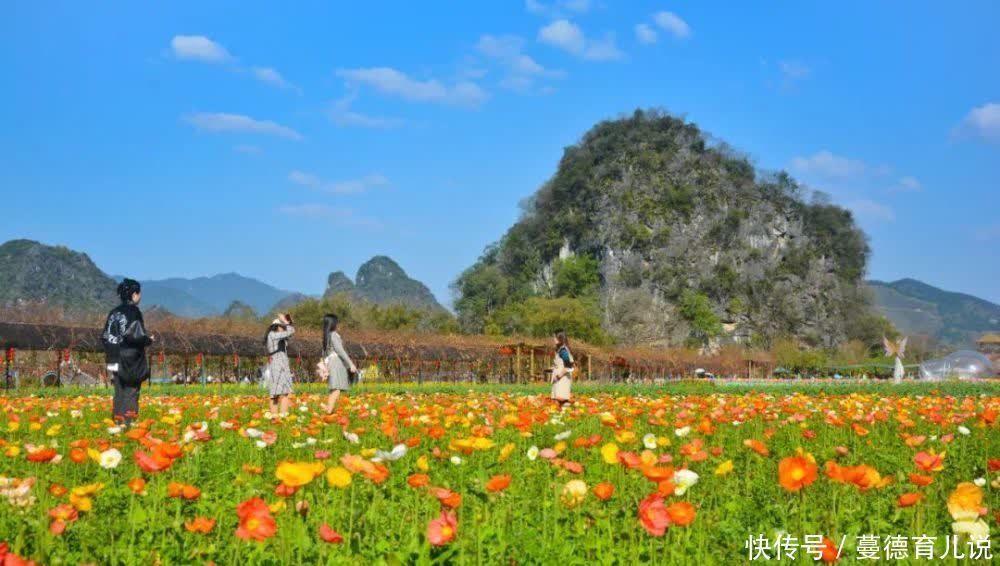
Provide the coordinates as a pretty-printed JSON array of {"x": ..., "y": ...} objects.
[
  {"x": 339, "y": 366},
  {"x": 280, "y": 373}
]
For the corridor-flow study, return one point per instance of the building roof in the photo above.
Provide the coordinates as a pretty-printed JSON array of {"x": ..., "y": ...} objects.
[{"x": 989, "y": 338}]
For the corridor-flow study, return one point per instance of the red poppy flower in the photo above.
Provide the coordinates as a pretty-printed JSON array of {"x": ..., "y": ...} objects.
[
  {"x": 329, "y": 535},
  {"x": 653, "y": 515},
  {"x": 442, "y": 530}
]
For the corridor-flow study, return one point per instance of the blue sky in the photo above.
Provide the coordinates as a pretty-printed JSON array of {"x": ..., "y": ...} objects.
[{"x": 287, "y": 140}]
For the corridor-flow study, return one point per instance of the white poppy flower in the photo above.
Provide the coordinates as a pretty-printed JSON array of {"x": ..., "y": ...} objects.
[
  {"x": 110, "y": 458},
  {"x": 684, "y": 479}
]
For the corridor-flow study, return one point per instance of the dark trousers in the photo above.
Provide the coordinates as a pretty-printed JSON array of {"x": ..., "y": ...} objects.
[{"x": 125, "y": 404}]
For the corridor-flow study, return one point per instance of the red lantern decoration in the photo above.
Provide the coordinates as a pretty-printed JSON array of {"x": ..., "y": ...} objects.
[
  {"x": 65, "y": 355},
  {"x": 198, "y": 359},
  {"x": 10, "y": 355},
  {"x": 160, "y": 357}
]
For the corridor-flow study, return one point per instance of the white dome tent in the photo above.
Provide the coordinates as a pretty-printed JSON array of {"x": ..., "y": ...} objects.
[{"x": 964, "y": 364}]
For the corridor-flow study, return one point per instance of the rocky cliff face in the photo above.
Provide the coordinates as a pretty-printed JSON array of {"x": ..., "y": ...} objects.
[{"x": 692, "y": 244}]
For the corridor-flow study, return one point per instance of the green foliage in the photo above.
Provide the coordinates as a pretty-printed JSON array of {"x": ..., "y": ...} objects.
[
  {"x": 576, "y": 276},
  {"x": 868, "y": 328},
  {"x": 539, "y": 316},
  {"x": 697, "y": 310},
  {"x": 482, "y": 289},
  {"x": 370, "y": 316},
  {"x": 789, "y": 355}
]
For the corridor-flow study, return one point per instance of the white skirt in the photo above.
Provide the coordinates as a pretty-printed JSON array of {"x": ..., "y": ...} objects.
[{"x": 561, "y": 388}]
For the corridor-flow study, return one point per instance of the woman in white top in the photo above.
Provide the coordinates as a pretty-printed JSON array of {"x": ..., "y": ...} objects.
[
  {"x": 562, "y": 370},
  {"x": 339, "y": 367}
]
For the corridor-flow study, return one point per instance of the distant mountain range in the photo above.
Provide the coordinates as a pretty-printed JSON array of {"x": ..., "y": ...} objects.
[
  {"x": 211, "y": 296},
  {"x": 35, "y": 273},
  {"x": 916, "y": 308}
]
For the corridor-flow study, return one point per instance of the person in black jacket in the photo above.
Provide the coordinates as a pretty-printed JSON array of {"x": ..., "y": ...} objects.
[{"x": 125, "y": 342}]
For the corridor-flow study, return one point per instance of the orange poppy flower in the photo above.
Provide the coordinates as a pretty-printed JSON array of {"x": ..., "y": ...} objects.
[
  {"x": 138, "y": 486},
  {"x": 681, "y": 513},
  {"x": 929, "y": 461},
  {"x": 796, "y": 472},
  {"x": 183, "y": 491},
  {"x": 256, "y": 522},
  {"x": 202, "y": 525},
  {"x": 757, "y": 446},
  {"x": 909, "y": 499},
  {"x": 604, "y": 491},
  {"x": 665, "y": 488},
  {"x": 658, "y": 474},
  {"x": 78, "y": 455},
  {"x": 418, "y": 480},
  {"x": 57, "y": 490},
  {"x": 42, "y": 455},
  {"x": 151, "y": 464},
  {"x": 830, "y": 552},
  {"x": 498, "y": 483},
  {"x": 966, "y": 502},
  {"x": 447, "y": 497}
]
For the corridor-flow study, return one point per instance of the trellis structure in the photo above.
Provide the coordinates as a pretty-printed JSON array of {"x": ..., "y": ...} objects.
[{"x": 397, "y": 357}]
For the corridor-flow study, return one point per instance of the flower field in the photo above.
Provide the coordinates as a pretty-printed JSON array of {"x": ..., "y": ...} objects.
[{"x": 499, "y": 476}]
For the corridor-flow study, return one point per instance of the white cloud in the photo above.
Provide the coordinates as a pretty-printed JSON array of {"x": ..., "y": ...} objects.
[
  {"x": 673, "y": 24},
  {"x": 350, "y": 186},
  {"x": 199, "y": 48},
  {"x": 568, "y": 36},
  {"x": 645, "y": 34},
  {"x": 272, "y": 77},
  {"x": 982, "y": 122},
  {"x": 322, "y": 211},
  {"x": 603, "y": 49},
  {"x": 341, "y": 113},
  {"x": 521, "y": 68},
  {"x": 391, "y": 82},
  {"x": 222, "y": 122},
  {"x": 872, "y": 210},
  {"x": 826, "y": 164},
  {"x": 565, "y": 35}
]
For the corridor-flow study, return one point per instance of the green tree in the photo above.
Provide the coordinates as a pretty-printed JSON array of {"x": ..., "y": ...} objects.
[
  {"x": 576, "y": 276},
  {"x": 540, "y": 317},
  {"x": 482, "y": 290},
  {"x": 697, "y": 310}
]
